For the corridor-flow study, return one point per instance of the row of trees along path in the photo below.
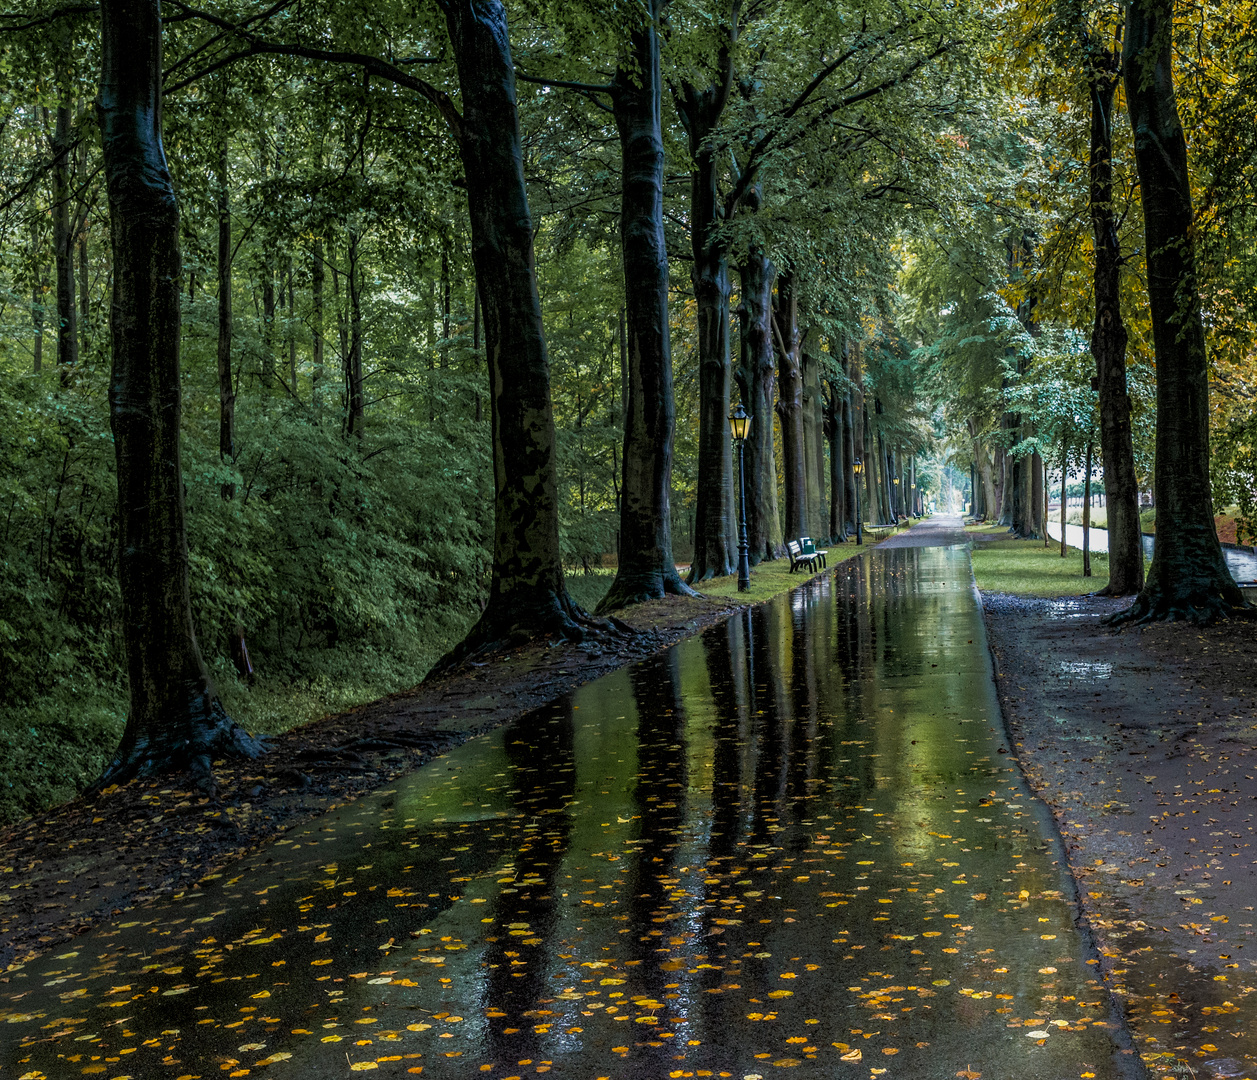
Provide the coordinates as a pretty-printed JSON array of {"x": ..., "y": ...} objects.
[{"x": 175, "y": 719}]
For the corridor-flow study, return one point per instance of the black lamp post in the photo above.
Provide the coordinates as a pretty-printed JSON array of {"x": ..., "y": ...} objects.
[
  {"x": 857, "y": 467},
  {"x": 898, "y": 509},
  {"x": 740, "y": 427}
]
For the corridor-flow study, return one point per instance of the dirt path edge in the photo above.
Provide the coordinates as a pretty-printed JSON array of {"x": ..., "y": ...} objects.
[{"x": 68, "y": 870}]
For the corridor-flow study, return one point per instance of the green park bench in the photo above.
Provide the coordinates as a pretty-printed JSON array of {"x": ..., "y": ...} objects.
[{"x": 801, "y": 559}]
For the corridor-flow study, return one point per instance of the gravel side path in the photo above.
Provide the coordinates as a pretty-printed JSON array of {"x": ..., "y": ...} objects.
[{"x": 1144, "y": 744}]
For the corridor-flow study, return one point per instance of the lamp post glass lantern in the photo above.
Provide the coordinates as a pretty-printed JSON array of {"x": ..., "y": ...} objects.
[
  {"x": 857, "y": 467},
  {"x": 740, "y": 428}
]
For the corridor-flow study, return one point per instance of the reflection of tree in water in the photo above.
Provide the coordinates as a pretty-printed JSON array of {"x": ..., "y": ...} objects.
[
  {"x": 659, "y": 797},
  {"x": 801, "y": 763},
  {"x": 543, "y": 773},
  {"x": 849, "y": 606},
  {"x": 731, "y": 674},
  {"x": 767, "y": 724},
  {"x": 854, "y": 637}
]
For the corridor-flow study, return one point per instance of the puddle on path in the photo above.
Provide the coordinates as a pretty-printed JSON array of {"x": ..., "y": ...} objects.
[
  {"x": 1086, "y": 670},
  {"x": 788, "y": 843}
]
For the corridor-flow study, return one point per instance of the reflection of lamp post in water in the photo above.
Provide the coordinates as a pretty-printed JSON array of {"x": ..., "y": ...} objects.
[
  {"x": 857, "y": 467},
  {"x": 740, "y": 426}
]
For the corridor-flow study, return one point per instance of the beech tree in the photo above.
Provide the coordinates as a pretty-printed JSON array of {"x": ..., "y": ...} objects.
[
  {"x": 1109, "y": 335},
  {"x": 1083, "y": 59},
  {"x": 647, "y": 569},
  {"x": 757, "y": 384},
  {"x": 175, "y": 719},
  {"x": 700, "y": 102},
  {"x": 1188, "y": 578},
  {"x": 526, "y": 594},
  {"x": 790, "y": 406}
]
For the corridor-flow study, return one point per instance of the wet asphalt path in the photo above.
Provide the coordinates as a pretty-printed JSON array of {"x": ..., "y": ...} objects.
[{"x": 791, "y": 843}]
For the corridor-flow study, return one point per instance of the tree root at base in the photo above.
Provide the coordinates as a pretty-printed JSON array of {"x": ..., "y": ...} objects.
[
  {"x": 507, "y": 625},
  {"x": 1198, "y": 607},
  {"x": 190, "y": 744},
  {"x": 630, "y": 589}
]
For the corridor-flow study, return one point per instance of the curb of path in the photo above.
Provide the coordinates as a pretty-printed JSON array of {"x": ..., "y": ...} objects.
[{"x": 1127, "y": 1060}]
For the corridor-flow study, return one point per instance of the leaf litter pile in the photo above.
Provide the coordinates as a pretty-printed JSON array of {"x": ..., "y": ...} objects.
[{"x": 790, "y": 844}]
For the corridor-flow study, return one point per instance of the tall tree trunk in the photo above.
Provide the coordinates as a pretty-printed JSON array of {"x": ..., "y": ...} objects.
[
  {"x": 268, "y": 321},
  {"x": 790, "y": 407},
  {"x": 813, "y": 440},
  {"x": 175, "y": 719},
  {"x": 874, "y": 511},
  {"x": 37, "y": 289},
  {"x": 700, "y": 110},
  {"x": 290, "y": 328},
  {"x": 1108, "y": 346},
  {"x": 342, "y": 320},
  {"x": 715, "y": 543},
  {"x": 1019, "y": 468},
  {"x": 1064, "y": 497},
  {"x": 1188, "y": 578},
  {"x": 1038, "y": 519},
  {"x": 986, "y": 473},
  {"x": 1008, "y": 471},
  {"x": 1086, "y": 513},
  {"x": 647, "y": 569},
  {"x": 757, "y": 383},
  {"x": 1020, "y": 496},
  {"x": 356, "y": 412},
  {"x": 475, "y": 342},
  {"x": 883, "y": 480},
  {"x": 1047, "y": 494},
  {"x": 84, "y": 266},
  {"x": 316, "y": 319},
  {"x": 267, "y": 371},
  {"x": 63, "y": 245},
  {"x": 1000, "y": 503},
  {"x": 527, "y": 595},
  {"x": 850, "y": 367},
  {"x": 226, "y": 385},
  {"x": 837, "y": 466},
  {"x": 859, "y": 426},
  {"x": 975, "y": 474},
  {"x": 896, "y": 486}
]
